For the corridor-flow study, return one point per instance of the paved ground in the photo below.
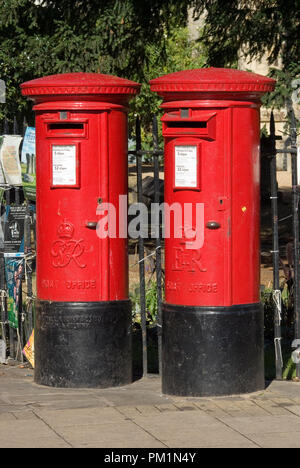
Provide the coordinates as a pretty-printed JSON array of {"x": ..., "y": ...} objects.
[{"x": 139, "y": 416}]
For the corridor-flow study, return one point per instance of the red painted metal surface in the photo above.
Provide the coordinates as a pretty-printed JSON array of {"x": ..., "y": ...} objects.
[
  {"x": 81, "y": 134},
  {"x": 211, "y": 128}
]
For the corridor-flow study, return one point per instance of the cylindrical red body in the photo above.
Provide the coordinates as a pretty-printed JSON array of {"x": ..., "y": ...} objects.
[
  {"x": 211, "y": 127},
  {"x": 81, "y": 144},
  {"x": 227, "y": 171},
  {"x": 73, "y": 264}
]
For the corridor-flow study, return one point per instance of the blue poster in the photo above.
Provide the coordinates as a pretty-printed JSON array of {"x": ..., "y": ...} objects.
[{"x": 28, "y": 161}]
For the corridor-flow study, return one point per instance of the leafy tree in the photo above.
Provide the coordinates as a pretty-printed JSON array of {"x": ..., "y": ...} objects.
[
  {"x": 180, "y": 53},
  {"x": 43, "y": 37},
  {"x": 254, "y": 28}
]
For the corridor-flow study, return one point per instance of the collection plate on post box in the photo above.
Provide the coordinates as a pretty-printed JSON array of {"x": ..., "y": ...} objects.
[
  {"x": 186, "y": 167},
  {"x": 64, "y": 166}
]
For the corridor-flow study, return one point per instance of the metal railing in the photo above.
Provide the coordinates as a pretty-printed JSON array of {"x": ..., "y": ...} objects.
[
  {"x": 15, "y": 338},
  {"x": 154, "y": 156},
  {"x": 278, "y": 264}
]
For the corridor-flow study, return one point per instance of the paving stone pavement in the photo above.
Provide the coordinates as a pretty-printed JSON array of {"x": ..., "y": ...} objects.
[{"x": 139, "y": 416}]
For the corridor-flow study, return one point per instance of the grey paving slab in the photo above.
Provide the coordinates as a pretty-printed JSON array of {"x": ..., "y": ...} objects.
[
  {"x": 283, "y": 401},
  {"x": 24, "y": 415},
  {"x": 221, "y": 437},
  {"x": 210, "y": 408},
  {"x": 128, "y": 396},
  {"x": 251, "y": 408},
  {"x": 53, "y": 399},
  {"x": 69, "y": 403},
  {"x": 129, "y": 411},
  {"x": 125, "y": 434},
  {"x": 277, "y": 440},
  {"x": 80, "y": 417},
  {"x": 139, "y": 415},
  {"x": 147, "y": 409},
  {"x": 199, "y": 429},
  {"x": 167, "y": 407},
  {"x": 294, "y": 409},
  {"x": 36, "y": 435},
  {"x": 269, "y": 406},
  {"x": 264, "y": 425},
  {"x": 7, "y": 417},
  {"x": 13, "y": 408},
  {"x": 287, "y": 389},
  {"x": 296, "y": 400},
  {"x": 186, "y": 406},
  {"x": 231, "y": 407}
]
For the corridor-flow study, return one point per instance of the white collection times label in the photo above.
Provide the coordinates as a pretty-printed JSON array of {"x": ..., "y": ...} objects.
[
  {"x": 64, "y": 165},
  {"x": 186, "y": 166}
]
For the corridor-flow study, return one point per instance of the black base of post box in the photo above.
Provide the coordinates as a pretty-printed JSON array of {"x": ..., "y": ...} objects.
[
  {"x": 212, "y": 351},
  {"x": 83, "y": 345}
]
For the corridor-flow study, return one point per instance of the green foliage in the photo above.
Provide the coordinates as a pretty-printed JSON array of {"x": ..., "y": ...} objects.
[
  {"x": 284, "y": 88},
  {"x": 180, "y": 52},
  {"x": 151, "y": 303},
  {"x": 255, "y": 27},
  {"x": 251, "y": 29},
  {"x": 58, "y": 36},
  {"x": 290, "y": 370},
  {"x": 134, "y": 296}
]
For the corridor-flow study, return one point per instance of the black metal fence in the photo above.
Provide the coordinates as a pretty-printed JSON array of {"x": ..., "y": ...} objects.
[
  {"x": 285, "y": 327},
  {"x": 154, "y": 155},
  {"x": 284, "y": 317},
  {"x": 15, "y": 338}
]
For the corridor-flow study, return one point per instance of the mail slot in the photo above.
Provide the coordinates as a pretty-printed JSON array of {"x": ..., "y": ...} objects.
[
  {"x": 71, "y": 129},
  {"x": 83, "y": 314},
  {"x": 197, "y": 124},
  {"x": 212, "y": 317}
]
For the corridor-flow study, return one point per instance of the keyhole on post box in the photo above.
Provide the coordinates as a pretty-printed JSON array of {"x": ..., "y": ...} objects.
[{"x": 222, "y": 204}]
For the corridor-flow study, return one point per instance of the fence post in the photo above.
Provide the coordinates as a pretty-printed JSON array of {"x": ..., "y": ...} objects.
[
  {"x": 275, "y": 252},
  {"x": 11, "y": 330},
  {"x": 6, "y": 127},
  {"x": 16, "y": 126},
  {"x": 3, "y": 299},
  {"x": 293, "y": 135},
  {"x": 28, "y": 264},
  {"x": 156, "y": 154},
  {"x": 139, "y": 165}
]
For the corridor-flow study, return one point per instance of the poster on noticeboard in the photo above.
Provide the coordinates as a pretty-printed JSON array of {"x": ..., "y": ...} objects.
[
  {"x": 14, "y": 270},
  {"x": 28, "y": 350},
  {"x": 14, "y": 226},
  {"x": 28, "y": 164},
  {"x": 10, "y": 159}
]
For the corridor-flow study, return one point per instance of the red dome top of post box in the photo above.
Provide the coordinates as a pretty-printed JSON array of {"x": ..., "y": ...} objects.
[
  {"x": 85, "y": 86},
  {"x": 210, "y": 83}
]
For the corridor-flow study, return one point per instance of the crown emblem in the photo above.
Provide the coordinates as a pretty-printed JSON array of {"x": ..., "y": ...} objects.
[{"x": 65, "y": 230}]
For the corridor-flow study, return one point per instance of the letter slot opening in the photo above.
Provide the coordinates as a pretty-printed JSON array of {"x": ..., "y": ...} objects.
[
  {"x": 204, "y": 126},
  {"x": 66, "y": 126},
  {"x": 186, "y": 125},
  {"x": 66, "y": 129}
]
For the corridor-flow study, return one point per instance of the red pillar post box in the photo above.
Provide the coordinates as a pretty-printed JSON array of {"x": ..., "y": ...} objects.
[
  {"x": 212, "y": 318},
  {"x": 83, "y": 315}
]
